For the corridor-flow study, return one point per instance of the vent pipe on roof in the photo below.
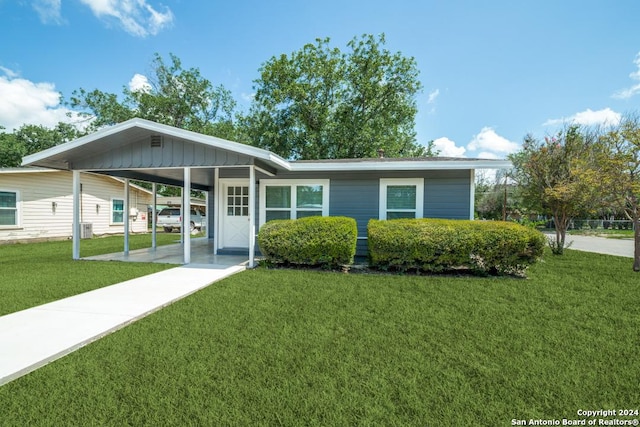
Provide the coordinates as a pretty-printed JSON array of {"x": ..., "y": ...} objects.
[
  {"x": 156, "y": 141},
  {"x": 381, "y": 153}
]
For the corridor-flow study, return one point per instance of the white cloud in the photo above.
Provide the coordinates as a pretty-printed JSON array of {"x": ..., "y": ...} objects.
[
  {"x": 448, "y": 148},
  {"x": 635, "y": 89},
  {"x": 588, "y": 118},
  {"x": 248, "y": 96},
  {"x": 25, "y": 102},
  {"x": 488, "y": 141},
  {"x": 139, "y": 83},
  {"x": 136, "y": 17},
  {"x": 432, "y": 96},
  {"x": 49, "y": 11}
]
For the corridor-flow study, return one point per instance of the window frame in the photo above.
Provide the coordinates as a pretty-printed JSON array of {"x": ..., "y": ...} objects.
[
  {"x": 387, "y": 182},
  {"x": 293, "y": 184},
  {"x": 18, "y": 210},
  {"x": 112, "y": 211}
]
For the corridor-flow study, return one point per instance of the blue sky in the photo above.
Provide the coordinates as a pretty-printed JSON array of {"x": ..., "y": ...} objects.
[{"x": 492, "y": 71}]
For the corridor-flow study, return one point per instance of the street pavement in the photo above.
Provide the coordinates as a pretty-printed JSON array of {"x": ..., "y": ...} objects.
[{"x": 600, "y": 245}]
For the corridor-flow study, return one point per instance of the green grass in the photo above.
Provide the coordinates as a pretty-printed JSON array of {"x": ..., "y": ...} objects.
[
  {"x": 280, "y": 347},
  {"x": 37, "y": 273}
]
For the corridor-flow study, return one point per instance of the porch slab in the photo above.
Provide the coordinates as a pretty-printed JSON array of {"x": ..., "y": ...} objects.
[{"x": 201, "y": 255}]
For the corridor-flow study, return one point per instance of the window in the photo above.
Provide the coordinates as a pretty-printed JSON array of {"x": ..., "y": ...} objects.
[
  {"x": 8, "y": 208},
  {"x": 117, "y": 211},
  {"x": 237, "y": 201},
  {"x": 292, "y": 199},
  {"x": 401, "y": 198}
]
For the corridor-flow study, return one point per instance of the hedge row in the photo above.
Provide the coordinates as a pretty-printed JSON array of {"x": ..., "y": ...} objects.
[
  {"x": 435, "y": 245},
  {"x": 429, "y": 245},
  {"x": 329, "y": 241}
]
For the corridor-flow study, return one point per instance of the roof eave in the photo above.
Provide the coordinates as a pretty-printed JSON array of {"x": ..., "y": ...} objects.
[{"x": 402, "y": 165}]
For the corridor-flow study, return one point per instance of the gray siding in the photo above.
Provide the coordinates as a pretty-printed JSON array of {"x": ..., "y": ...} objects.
[
  {"x": 447, "y": 195},
  {"x": 173, "y": 153},
  {"x": 357, "y": 194},
  {"x": 358, "y": 199}
]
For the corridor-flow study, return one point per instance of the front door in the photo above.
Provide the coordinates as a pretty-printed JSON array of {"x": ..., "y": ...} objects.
[{"x": 234, "y": 229}]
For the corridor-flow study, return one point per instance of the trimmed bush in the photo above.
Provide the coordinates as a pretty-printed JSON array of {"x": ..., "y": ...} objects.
[
  {"x": 435, "y": 245},
  {"x": 315, "y": 241}
]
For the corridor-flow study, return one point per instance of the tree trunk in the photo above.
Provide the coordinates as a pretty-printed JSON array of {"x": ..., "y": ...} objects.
[{"x": 636, "y": 242}]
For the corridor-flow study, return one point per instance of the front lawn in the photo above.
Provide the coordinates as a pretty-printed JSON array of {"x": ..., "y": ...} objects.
[
  {"x": 281, "y": 347},
  {"x": 37, "y": 273}
]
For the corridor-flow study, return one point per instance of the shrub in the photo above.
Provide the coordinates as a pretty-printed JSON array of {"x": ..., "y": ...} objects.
[
  {"x": 314, "y": 241},
  {"x": 434, "y": 245}
]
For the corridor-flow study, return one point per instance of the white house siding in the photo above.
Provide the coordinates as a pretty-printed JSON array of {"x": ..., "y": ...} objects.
[{"x": 38, "y": 190}]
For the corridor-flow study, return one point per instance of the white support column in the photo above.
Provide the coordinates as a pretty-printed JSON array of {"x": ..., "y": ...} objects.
[
  {"x": 186, "y": 215},
  {"x": 206, "y": 223},
  {"x": 472, "y": 191},
  {"x": 217, "y": 209},
  {"x": 125, "y": 215},
  {"x": 252, "y": 214},
  {"x": 154, "y": 216},
  {"x": 76, "y": 215}
]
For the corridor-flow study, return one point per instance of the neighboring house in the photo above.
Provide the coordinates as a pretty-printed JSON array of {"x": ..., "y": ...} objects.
[
  {"x": 248, "y": 186},
  {"x": 37, "y": 203}
]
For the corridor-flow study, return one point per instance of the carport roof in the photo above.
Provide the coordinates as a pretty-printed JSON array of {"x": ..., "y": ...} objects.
[{"x": 74, "y": 154}]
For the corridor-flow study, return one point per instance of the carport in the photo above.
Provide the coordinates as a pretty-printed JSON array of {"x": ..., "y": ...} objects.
[{"x": 147, "y": 151}]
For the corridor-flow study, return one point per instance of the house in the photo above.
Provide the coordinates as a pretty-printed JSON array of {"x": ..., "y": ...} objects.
[
  {"x": 37, "y": 203},
  {"x": 248, "y": 186}
]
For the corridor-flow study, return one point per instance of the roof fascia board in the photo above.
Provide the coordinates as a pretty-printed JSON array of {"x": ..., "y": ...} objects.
[{"x": 401, "y": 165}]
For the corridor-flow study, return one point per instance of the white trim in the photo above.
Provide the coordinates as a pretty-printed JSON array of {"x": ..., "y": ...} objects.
[
  {"x": 126, "y": 216},
  {"x": 385, "y": 182},
  {"x": 217, "y": 209},
  {"x": 186, "y": 215},
  {"x": 18, "y": 210},
  {"x": 75, "y": 183},
  {"x": 111, "y": 222},
  {"x": 472, "y": 195},
  {"x": 325, "y": 183},
  {"x": 405, "y": 165},
  {"x": 252, "y": 215}
]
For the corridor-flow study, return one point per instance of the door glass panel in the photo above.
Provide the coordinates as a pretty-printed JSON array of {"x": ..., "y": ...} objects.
[{"x": 237, "y": 205}]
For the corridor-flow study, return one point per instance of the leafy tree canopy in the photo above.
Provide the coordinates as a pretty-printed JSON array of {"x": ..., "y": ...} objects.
[
  {"x": 174, "y": 96},
  {"x": 558, "y": 176},
  {"x": 30, "y": 139},
  {"x": 322, "y": 103}
]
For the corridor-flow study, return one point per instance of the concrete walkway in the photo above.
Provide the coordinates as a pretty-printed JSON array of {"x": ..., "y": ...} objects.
[
  {"x": 36, "y": 336},
  {"x": 601, "y": 245}
]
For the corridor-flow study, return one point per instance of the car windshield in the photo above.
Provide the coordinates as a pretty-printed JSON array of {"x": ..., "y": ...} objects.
[{"x": 170, "y": 211}]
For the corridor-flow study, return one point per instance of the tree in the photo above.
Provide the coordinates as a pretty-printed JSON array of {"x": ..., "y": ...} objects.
[
  {"x": 558, "y": 176},
  {"x": 174, "y": 96},
  {"x": 621, "y": 172},
  {"x": 321, "y": 103},
  {"x": 29, "y": 139},
  {"x": 10, "y": 151}
]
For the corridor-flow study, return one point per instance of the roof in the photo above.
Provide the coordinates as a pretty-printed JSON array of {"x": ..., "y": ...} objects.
[
  {"x": 149, "y": 151},
  {"x": 405, "y": 163}
]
